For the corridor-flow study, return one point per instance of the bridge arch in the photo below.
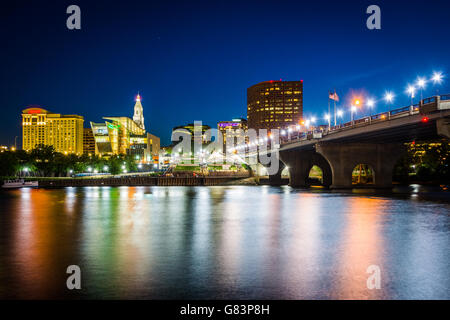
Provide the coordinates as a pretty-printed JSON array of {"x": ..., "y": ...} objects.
[
  {"x": 319, "y": 162},
  {"x": 300, "y": 164},
  {"x": 316, "y": 176},
  {"x": 344, "y": 157},
  {"x": 275, "y": 178}
]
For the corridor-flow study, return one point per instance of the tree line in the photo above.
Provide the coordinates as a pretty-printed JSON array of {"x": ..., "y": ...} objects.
[{"x": 44, "y": 161}]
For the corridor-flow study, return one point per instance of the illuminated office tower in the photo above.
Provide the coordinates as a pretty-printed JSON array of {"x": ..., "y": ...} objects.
[
  {"x": 274, "y": 104},
  {"x": 63, "y": 132},
  {"x": 138, "y": 116}
]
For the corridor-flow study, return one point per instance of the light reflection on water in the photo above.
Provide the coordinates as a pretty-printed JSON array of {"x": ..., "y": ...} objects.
[{"x": 221, "y": 242}]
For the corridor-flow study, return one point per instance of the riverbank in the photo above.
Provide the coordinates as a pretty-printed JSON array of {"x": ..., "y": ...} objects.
[{"x": 139, "y": 181}]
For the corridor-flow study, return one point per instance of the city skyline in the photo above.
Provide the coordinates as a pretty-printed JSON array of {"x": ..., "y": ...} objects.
[
  {"x": 85, "y": 72},
  {"x": 224, "y": 159}
]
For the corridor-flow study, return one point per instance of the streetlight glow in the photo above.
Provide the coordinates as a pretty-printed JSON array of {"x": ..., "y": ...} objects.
[
  {"x": 421, "y": 82},
  {"x": 340, "y": 113},
  {"x": 389, "y": 97},
  {"x": 411, "y": 90},
  {"x": 437, "y": 77},
  {"x": 370, "y": 103}
]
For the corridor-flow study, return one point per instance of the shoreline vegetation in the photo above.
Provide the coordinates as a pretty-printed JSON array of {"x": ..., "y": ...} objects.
[{"x": 424, "y": 163}]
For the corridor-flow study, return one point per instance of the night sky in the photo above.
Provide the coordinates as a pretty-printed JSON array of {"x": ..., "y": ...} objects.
[{"x": 194, "y": 60}]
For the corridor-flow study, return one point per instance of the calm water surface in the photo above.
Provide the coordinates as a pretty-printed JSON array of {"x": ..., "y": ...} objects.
[{"x": 233, "y": 242}]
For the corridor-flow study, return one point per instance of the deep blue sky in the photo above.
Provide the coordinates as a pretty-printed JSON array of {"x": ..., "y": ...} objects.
[{"x": 194, "y": 60}]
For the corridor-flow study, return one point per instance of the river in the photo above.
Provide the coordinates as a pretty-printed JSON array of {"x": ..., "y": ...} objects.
[{"x": 230, "y": 242}]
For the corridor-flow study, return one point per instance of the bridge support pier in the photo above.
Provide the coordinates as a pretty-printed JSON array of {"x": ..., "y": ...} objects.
[
  {"x": 344, "y": 157},
  {"x": 276, "y": 179},
  {"x": 300, "y": 164}
]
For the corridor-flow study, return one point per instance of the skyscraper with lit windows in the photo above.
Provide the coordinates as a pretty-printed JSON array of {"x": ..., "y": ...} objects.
[
  {"x": 274, "y": 104},
  {"x": 63, "y": 132}
]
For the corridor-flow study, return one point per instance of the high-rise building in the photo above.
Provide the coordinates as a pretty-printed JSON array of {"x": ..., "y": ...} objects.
[
  {"x": 88, "y": 142},
  {"x": 63, "y": 132},
  {"x": 123, "y": 135},
  {"x": 138, "y": 116},
  {"x": 274, "y": 104},
  {"x": 235, "y": 129}
]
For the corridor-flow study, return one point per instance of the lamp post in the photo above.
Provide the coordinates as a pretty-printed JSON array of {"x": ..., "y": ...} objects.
[
  {"x": 340, "y": 114},
  {"x": 437, "y": 79},
  {"x": 411, "y": 91},
  {"x": 371, "y": 105},
  {"x": 421, "y": 82},
  {"x": 328, "y": 118},
  {"x": 389, "y": 97},
  {"x": 353, "y": 111}
]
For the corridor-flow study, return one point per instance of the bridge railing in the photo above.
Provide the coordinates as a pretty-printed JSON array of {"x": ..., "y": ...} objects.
[
  {"x": 368, "y": 120},
  {"x": 400, "y": 110},
  {"x": 429, "y": 100}
]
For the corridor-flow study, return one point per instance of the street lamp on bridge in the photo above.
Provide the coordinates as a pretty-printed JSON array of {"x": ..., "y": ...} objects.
[
  {"x": 411, "y": 91},
  {"x": 437, "y": 79},
  {"x": 353, "y": 111},
  {"x": 421, "y": 83},
  {"x": 328, "y": 118}
]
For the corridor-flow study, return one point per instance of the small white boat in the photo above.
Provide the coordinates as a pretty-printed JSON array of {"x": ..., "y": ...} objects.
[{"x": 20, "y": 183}]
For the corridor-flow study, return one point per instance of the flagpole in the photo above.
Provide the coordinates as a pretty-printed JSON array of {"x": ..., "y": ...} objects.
[
  {"x": 335, "y": 107},
  {"x": 329, "y": 110}
]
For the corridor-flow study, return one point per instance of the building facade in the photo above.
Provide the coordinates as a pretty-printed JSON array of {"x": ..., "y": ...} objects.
[
  {"x": 63, "y": 132},
  {"x": 188, "y": 132},
  {"x": 123, "y": 135},
  {"x": 119, "y": 135},
  {"x": 274, "y": 104},
  {"x": 153, "y": 148},
  {"x": 88, "y": 142},
  {"x": 235, "y": 129}
]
